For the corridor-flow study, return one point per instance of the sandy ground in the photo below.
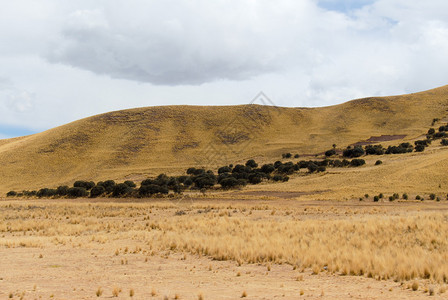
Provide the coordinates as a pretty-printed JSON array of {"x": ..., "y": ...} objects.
[
  {"x": 67, "y": 273},
  {"x": 80, "y": 271}
]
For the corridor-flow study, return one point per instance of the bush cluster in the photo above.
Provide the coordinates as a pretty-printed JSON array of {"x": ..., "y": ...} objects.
[
  {"x": 229, "y": 176},
  {"x": 350, "y": 152}
]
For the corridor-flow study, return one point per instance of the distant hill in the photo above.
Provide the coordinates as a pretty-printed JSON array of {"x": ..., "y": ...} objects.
[{"x": 136, "y": 143}]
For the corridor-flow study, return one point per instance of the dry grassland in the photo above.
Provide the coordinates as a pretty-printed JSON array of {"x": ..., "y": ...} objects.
[{"x": 405, "y": 243}]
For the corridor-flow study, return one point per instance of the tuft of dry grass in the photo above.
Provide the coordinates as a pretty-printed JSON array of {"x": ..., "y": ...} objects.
[
  {"x": 99, "y": 292},
  {"x": 414, "y": 286},
  {"x": 153, "y": 292},
  {"x": 116, "y": 291},
  {"x": 244, "y": 294}
]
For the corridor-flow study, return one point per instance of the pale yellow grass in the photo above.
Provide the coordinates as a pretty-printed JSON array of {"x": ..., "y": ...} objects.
[{"x": 379, "y": 243}]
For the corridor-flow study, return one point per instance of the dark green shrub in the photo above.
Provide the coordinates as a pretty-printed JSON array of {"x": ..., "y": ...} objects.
[
  {"x": 432, "y": 196},
  {"x": 97, "y": 191},
  {"x": 376, "y": 198},
  {"x": 130, "y": 183},
  {"x": 188, "y": 182},
  {"x": 251, "y": 163},
  {"x": 46, "y": 192},
  {"x": 181, "y": 179},
  {"x": 366, "y": 196},
  {"x": 108, "y": 185},
  {"x": 330, "y": 152},
  {"x": 296, "y": 156},
  {"x": 225, "y": 169},
  {"x": 267, "y": 168},
  {"x": 121, "y": 189},
  {"x": 439, "y": 135},
  {"x": 84, "y": 184},
  {"x": 405, "y": 196},
  {"x": 353, "y": 152},
  {"x": 312, "y": 167},
  {"x": 418, "y": 197},
  {"x": 402, "y": 148},
  {"x": 337, "y": 163},
  {"x": 255, "y": 178},
  {"x": 62, "y": 190},
  {"x": 190, "y": 171},
  {"x": 423, "y": 142},
  {"x": 206, "y": 180},
  {"x": 229, "y": 182},
  {"x": 431, "y": 131},
  {"x": 76, "y": 192},
  {"x": 419, "y": 148},
  {"x": 277, "y": 178},
  {"x": 381, "y": 195},
  {"x": 357, "y": 162},
  {"x": 151, "y": 189},
  {"x": 378, "y": 162},
  {"x": 172, "y": 182},
  {"x": 396, "y": 196},
  {"x": 11, "y": 194},
  {"x": 286, "y": 168},
  {"x": 287, "y": 155},
  {"x": 321, "y": 169},
  {"x": 374, "y": 150},
  {"x": 391, "y": 198},
  {"x": 162, "y": 179},
  {"x": 444, "y": 142}
]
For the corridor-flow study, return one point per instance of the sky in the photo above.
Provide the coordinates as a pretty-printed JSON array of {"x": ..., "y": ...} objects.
[{"x": 63, "y": 60}]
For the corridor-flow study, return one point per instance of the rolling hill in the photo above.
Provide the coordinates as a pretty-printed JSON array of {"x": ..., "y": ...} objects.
[{"x": 137, "y": 143}]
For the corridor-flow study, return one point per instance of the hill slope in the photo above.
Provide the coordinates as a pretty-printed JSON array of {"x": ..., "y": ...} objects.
[{"x": 136, "y": 143}]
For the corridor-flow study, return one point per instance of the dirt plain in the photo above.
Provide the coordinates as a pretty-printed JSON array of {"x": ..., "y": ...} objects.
[{"x": 104, "y": 249}]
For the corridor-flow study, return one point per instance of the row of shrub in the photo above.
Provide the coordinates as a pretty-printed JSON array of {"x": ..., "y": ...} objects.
[
  {"x": 404, "y": 196},
  {"x": 420, "y": 145},
  {"x": 196, "y": 178}
]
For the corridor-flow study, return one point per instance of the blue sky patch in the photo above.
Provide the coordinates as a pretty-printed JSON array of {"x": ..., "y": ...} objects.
[
  {"x": 11, "y": 131},
  {"x": 343, "y": 5}
]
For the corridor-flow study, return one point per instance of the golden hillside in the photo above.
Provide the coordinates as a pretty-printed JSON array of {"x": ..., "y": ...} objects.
[{"x": 136, "y": 143}]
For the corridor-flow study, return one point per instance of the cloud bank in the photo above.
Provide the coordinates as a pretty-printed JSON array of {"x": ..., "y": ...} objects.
[{"x": 63, "y": 60}]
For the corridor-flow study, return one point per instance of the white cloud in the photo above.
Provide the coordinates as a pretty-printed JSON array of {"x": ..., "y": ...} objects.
[{"x": 70, "y": 59}]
